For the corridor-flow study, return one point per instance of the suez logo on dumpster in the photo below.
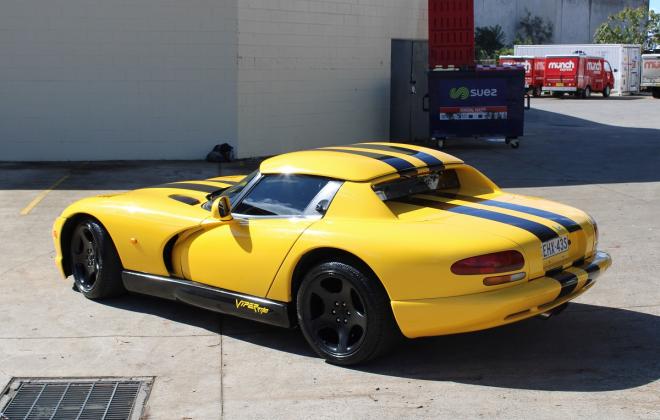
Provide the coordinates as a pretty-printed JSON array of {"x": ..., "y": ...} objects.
[{"x": 463, "y": 92}]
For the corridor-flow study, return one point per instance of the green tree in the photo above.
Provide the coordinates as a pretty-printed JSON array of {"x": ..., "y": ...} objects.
[
  {"x": 533, "y": 30},
  {"x": 630, "y": 26},
  {"x": 488, "y": 40}
]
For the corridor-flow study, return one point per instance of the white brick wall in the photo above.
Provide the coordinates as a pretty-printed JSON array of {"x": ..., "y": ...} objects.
[
  {"x": 116, "y": 79},
  {"x": 168, "y": 79},
  {"x": 316, "y": 72}
]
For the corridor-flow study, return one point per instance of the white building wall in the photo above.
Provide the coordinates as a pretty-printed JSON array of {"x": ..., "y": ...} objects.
[
  {"x": 316, "y": 72},
  {"x": 574, "y": 21},
  {"x": 116, "y": 79}
]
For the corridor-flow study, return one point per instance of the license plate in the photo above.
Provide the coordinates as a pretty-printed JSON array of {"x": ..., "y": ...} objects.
[
  {"x": 554, "y": 247},
  {"x": 559, "y": 84}
]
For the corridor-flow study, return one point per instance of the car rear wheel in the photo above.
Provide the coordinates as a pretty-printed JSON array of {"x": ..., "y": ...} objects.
[
  {"x": 94, "y": 261},
  {"x": 606, "y": 92},
  {"x": 345, "y": 314},
  {"x": 586, "y": 93}
]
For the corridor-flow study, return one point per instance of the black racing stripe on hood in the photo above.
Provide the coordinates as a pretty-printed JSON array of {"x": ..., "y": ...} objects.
[
  {"x": 542, "y": 232},
  {"x": 192, "y": 186}
]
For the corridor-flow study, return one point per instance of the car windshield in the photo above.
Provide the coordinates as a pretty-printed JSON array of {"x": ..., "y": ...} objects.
[
  {"x": 420, "y": 184},
  {"x": 233, "y": 191}
]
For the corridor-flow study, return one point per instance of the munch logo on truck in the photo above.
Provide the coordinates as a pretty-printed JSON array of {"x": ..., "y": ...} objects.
[
  {"x": 594, "y": 66},
  {"x": 655, "y": 65},
  {"x": 464, "y": 93},
  {"x": 561, "y": 65}
]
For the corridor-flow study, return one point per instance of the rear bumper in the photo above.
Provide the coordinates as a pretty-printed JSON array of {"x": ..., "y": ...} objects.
[
  {"x": 440, "y": 316},
  {"x": 560, "y": 88}
]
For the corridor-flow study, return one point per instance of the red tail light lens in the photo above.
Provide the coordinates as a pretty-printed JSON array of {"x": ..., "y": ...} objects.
[{"x": 497, "y": 262}]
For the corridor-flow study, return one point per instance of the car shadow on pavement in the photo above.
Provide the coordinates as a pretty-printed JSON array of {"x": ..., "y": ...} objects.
[{"x": 587, "y": 348}]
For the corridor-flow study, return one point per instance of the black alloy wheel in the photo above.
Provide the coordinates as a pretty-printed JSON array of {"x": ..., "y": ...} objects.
[
  {"x": 338, "y": 319},
  {"x": 85, "y": 257},
  {"x": 344, "y": 314},
  {"x": 95, "y": 265}
]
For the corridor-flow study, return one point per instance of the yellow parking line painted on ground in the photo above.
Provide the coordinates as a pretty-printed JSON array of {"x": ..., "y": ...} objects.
[{"x": 41, "y": 196}]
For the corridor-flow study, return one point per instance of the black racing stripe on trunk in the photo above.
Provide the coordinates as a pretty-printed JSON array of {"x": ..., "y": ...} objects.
[
  {"x": 395, "y": 162},
  {"x": 192, "y": 186},
  {"x": 429, "y": 160},
  {"x": 568, "y": 282},
  {"x": 569, "y": 224},
  {"x": 542, "y": 232}
]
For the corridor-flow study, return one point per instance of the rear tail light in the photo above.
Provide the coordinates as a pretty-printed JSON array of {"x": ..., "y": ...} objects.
[{"x": 497, "y": 262}]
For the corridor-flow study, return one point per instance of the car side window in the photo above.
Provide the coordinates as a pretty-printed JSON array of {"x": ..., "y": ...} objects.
[
  {"x": 281, "y": 195},
  {"x": 607, "y": 66}
]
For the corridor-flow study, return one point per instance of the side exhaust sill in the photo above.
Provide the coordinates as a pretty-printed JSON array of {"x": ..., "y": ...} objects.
[{"x": 210, "y": 298}]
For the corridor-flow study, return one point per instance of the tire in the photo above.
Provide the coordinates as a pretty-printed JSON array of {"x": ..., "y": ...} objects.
[
  {"x": 558, "y": 94},
  {"x": 606, "y": 92},
  {"x": 94, "y": 261},
  {"x": 586, "y": 93},
  {"x": 345, "y": 314},
  {"x": 656, "y": 93}
]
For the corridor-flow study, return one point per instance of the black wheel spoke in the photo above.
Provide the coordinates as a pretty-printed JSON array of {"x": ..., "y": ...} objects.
[
  {"x": 342, "y": 343},
  {"x": 323, "y": 321},
  {"x": 359, "y": 319}
]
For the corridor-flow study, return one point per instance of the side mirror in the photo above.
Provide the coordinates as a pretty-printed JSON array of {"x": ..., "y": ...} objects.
[
  {"x": 615, "y": 70},
  {"x": 221, "y": 209}
]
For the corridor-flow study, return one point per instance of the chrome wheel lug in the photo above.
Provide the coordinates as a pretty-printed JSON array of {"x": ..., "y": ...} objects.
[
  {"x": 338, "y": 320},
  {"x": 334, "y": 312},
  {"x": 345, "y": 321}
]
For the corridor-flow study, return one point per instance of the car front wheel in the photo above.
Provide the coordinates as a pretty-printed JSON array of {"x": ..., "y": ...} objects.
[
  {"x": 344, "y": 314},
  {"x": 94, "y": 261}
]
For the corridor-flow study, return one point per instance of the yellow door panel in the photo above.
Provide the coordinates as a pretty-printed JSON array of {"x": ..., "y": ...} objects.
[{"x": 242, "y": 255}]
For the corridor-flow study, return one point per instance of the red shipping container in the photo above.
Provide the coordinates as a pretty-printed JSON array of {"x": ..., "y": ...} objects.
[{"x": 451, "y": 33}]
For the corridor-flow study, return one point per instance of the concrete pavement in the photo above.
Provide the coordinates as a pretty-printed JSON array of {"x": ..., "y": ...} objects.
[{"x": 600, "y": 358}]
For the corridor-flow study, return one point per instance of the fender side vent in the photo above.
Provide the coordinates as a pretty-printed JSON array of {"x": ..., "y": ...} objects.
[
  {"x": 185, "y": 199},
  {"x": 69, "y": 398}
]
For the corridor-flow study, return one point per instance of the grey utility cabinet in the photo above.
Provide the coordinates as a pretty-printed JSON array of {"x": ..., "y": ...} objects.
[{"x": 409, "y": 122}]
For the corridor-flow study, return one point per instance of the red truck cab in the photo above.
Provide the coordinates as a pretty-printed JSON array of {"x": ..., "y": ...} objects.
[
  {"x": 534, "y": 69},
  {"x": 577, "y": 74}
]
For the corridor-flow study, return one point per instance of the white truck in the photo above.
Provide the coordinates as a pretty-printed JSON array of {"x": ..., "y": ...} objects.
[{"x": 651, "y": 74}]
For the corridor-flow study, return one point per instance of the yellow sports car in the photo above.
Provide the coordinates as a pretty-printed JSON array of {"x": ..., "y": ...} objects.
[{"x": 354, "y": 244}]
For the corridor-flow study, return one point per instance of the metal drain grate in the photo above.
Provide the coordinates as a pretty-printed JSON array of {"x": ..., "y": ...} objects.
[{"x": 66, "y": 399}]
